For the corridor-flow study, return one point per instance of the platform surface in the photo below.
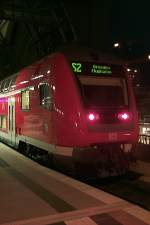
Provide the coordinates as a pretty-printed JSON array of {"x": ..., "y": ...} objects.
[{"x": 31, "y": 194}]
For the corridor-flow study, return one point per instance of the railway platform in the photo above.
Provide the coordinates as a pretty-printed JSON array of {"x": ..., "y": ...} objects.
[{"x": 31, "y": 194}]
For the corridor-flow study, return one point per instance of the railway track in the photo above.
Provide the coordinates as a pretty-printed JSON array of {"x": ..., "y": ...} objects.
[
  {"x": 132, "y": 187},
  {"x": 142, "y": 167}
]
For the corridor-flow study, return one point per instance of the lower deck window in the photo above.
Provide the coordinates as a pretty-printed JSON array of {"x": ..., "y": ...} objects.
[
  {"x": 3, "y": 121},
  {"x": 25, "y": 101}
]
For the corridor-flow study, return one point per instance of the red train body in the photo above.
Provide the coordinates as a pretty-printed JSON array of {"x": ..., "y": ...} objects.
[{"x": 77, "y": 107}]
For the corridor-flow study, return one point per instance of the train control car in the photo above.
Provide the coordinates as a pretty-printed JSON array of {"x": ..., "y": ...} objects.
[{"x": 76, "y": 107}]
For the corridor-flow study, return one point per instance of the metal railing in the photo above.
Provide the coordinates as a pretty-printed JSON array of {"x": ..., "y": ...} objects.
[
  {"x": 144, "y": 139},
  {"x": 144, "y": 136}
]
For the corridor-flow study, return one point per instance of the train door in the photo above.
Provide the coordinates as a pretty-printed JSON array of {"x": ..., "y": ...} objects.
[{"x": 11, "y": 120}]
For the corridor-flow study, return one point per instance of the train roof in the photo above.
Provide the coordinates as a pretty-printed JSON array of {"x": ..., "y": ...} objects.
[{"x": 73, "y": 52}]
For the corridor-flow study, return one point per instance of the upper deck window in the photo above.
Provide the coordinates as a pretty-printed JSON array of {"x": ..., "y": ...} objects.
[{"x": 46, "y": 96}]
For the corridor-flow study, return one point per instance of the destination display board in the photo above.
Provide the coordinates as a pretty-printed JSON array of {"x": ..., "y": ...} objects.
[{"x": 96, "y": 69}]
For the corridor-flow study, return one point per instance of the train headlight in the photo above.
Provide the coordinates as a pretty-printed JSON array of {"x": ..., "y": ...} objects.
[
  {"x": 124, "y": 116},
  {"x": 92, "y": 116}
]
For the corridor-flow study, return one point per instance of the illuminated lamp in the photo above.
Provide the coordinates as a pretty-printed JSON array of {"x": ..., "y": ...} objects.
[
  {"x": 124, "y": 116},
  {"x": 92, "y": 116},
  {"x": 116, "y": 45}
]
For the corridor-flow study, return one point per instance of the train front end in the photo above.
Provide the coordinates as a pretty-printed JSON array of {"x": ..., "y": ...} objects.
[{"x": 109, "y": 116}]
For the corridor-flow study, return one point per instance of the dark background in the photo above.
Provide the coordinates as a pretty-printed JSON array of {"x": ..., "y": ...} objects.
[{"x": 31, "y": 29}]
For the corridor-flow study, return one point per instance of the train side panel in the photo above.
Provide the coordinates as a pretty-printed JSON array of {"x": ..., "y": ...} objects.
[
  {"x": 35, "y": 123},
  {"x": 69, "y": 126}
]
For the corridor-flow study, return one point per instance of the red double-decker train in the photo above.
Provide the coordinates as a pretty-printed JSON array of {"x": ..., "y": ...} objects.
[{"x": 76, "y": 107}]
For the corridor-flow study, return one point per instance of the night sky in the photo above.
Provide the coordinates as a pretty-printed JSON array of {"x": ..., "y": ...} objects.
[
  {"x": 131, "y": 27},
  {"x": 124, "y": 21},
  {"x": 131, "y": 20}
]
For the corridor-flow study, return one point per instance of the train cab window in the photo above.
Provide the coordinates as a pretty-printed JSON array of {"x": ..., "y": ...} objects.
[
  {"x": 46, "y": 96},
  {"x": 105, "y": 92},
  {"x": 3, "y": 121},
  {"x": 25, "y": 100}
]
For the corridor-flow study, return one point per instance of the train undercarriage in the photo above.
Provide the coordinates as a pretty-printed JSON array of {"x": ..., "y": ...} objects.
[{"x": 97, "y": 161}]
